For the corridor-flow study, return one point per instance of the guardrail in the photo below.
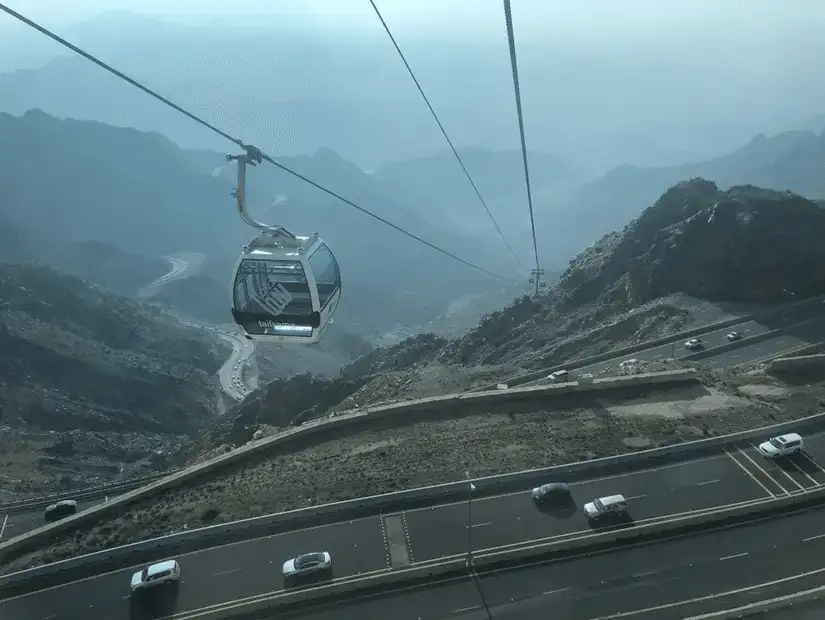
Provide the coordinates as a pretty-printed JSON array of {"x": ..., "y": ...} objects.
[
  {"x": 485, "y": 561},
  {"x": 649, "y": 344},
  {"x": 354, "y": 420},
  {"x": 31, "y": 503},
  {"x": 760, "y": 608},
  {"x": 246, "y": 529},
  {"x": 744, "y": 342}
]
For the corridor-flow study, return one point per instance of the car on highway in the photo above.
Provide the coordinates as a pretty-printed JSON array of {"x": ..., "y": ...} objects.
[
  {"x": 162, "y": 573},
  {"x": 783, "y": 445},
  {"x": 734, "y": 336},
  {"x": 60, "y": 510},
  {"x": 612, "y": 505},
  {"x": 307, "y": 564},
  {"x": 559, "y": 376},
  {"x": 693, "y": 344},
  {"x": 552, "y": 491}
]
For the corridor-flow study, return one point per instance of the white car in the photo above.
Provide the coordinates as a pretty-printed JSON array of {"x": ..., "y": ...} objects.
[
  {"x": 784, "y": 445},
  {"x": 156, "y": 575},
  {"x": 734, "y": 336},
  {"x": 604, "y": 506},
  {"x": 560, "y": 376},
  {"x": 693, "y": 343},
  {"x": 307, "y": 564}
]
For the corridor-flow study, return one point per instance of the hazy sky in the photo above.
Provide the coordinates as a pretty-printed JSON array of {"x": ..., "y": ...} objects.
[{"x": 622, "y": 18}]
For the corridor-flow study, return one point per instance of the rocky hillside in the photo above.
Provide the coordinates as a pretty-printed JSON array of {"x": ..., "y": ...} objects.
[
  {"x": 745, "y": 244},
  {"x": 697, "y": 255},
  {"x": 791, "y": 160},
  {"x": 76, "y": 358}
]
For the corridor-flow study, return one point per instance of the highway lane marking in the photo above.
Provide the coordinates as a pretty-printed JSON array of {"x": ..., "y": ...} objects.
[
  {"x": 701, "y": 484},
  {"x": 813, "y": 537},
  {"x": 479, "y": 524},
  {"x": 49, "y": 617},
  {"x": 3, "y": 527},
  {"x": 555, "y": 591},
  {"x": 754, "y": 478},
  {"x": 461, "y": 610},
  {"x": 705, "y": 459},
  {"x": 225, "y": 606},
  {"x": 226, "y": 572},
  {"x": 791, "y": 478},
  {"x": 776, "y": 467},
  {"x": 731, "y": 557},
  {"x": 802, "y": 471},
  {"x": 709, "y": 597},
  {"x": 647, "y": 574},
  {"x": 636, "y": 497},
  {"x": 588, "y": 532},
  {"x": 814, "y": 461}
]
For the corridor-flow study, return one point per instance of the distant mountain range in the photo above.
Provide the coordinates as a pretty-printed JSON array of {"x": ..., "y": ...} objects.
[
  {"x": 293, "y": 86},
  {"x": 792, "y": 160},
  {"x": 83, "y": 181}
]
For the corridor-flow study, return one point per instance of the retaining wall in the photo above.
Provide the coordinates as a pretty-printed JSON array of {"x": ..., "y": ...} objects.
[
  {"x": 784, "y": 364},
  {"x": 136, "y": 553},
  {"x": 348, "y": 421}
]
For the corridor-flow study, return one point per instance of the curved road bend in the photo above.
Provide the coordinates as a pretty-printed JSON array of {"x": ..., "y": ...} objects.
[
  {"x": 374, "y": 544},
  {"x": 231, "y": 379}
]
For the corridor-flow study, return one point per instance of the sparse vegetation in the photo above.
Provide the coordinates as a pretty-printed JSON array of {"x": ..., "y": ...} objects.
[{"x": 428, "y": 453}]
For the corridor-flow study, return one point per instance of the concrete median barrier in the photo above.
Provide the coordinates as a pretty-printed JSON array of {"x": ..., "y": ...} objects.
[
  {"x": 760, "y": 608},
  {"x": 348, "y": 421},
  {"x": 744, "y": 342},
  {"x": 41, "y": 501},
  {"x": 596, "y": 542},
  {"x": 216, "y": 535},
  {"x": 483, "y": 561},
  {"x": 649, "y": 344}
]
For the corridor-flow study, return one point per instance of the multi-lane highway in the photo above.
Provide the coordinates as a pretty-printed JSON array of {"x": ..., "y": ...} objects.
[
  {"x": 808, "y": 332},
  {"x": 376, "y": 544},
  {"x": 677, "y": 578}
]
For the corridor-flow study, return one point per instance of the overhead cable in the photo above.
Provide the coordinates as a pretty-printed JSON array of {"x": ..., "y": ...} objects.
[
  {"x": 444, "y": 131},
  {"x": 511, "y": 38},
  {"x": 233, "y": 139}
]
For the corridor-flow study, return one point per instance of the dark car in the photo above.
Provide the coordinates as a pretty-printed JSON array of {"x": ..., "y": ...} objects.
[
  {"x": 60, "y": 510},
  {"x": 552, "y": 491}
]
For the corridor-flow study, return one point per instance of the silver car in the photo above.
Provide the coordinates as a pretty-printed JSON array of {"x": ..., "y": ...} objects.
[
  {"x": 155, "y": 575},
  {"x": 307, "y": 564}
]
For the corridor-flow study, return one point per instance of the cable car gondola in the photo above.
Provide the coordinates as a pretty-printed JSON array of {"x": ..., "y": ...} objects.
[{"x": 285, "y": 288}]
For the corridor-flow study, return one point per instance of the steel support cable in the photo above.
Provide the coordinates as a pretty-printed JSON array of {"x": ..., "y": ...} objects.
[
  {"x": 511, "y": 38},
  {"x": 444, "y": 132},
  {"x": 237, "y": 141}
]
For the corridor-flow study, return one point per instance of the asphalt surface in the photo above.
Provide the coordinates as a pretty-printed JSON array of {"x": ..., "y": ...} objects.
[
  {"x": 231, "y": 373},
  {"x": 747, "y": 353},
  {"x": 646, "y": 582},
  {"x": 21, "y": 522},
  {"x": 372, "y": 545},
  {"x": 795, "y": 338},
  {"x": 375, "y": 544}
]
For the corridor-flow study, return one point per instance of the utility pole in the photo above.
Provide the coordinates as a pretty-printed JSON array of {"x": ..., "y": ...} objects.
[
  {"x": 537, "y": 278},
  {"x": 470, "y": 488}
]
